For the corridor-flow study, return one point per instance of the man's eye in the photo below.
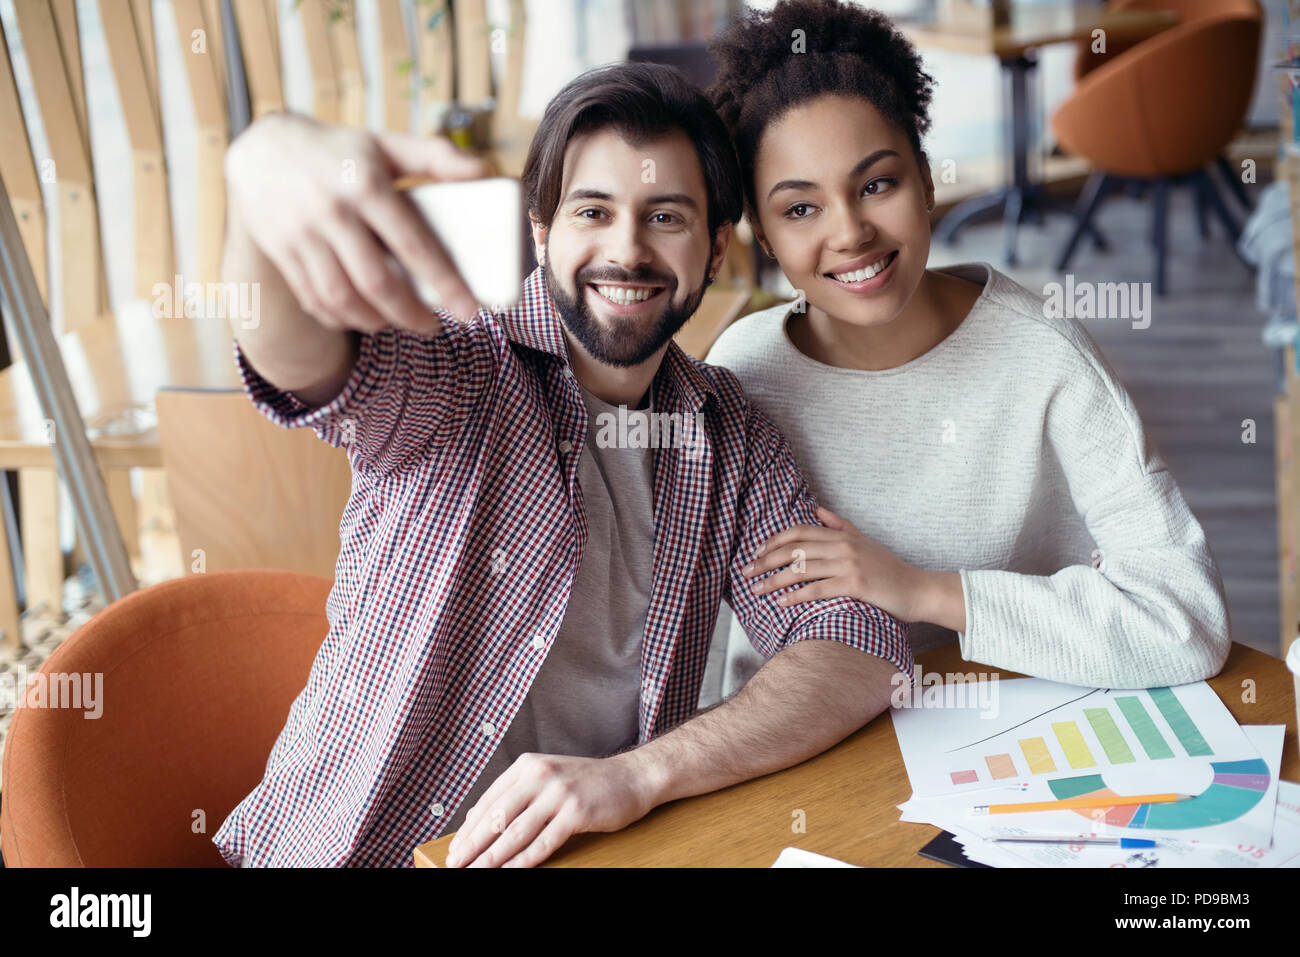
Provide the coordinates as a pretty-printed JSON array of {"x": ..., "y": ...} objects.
[
  {"x": 665, "y": 219},
  {"x": 876, "y": 183},
  {"x": 590, "y": 213}
]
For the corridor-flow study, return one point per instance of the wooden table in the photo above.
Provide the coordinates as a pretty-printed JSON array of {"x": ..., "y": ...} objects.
[
  {"x": 849, "y": 794},
  {"x": 1015, "y": 46},
  {"x": 116, "y": 367}
]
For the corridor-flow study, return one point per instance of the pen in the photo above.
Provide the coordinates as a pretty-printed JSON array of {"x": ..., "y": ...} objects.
[{"x": 1113, "y": 841}]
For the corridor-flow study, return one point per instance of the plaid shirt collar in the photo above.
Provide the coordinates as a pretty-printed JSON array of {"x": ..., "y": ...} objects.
[{"x": 534, "y": 322}]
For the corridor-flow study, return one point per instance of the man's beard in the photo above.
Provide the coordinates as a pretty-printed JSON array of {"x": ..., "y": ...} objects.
[{"x": 626, "y": 344}]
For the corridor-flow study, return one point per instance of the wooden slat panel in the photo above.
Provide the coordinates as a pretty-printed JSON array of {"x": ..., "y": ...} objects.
[
  {"x": 437, "y": 62},
  {"x": 325, "y": 88},
  {"x": 273, "y": 26},
  {"x": 347, "y": 66},
  {"x": 216, "y": 43},
  {"x": 396, "y": 79},
  {"x": 80, "y": 259},
  {"x": 510, "y": 136},
  {"x": 154, "y": 260},
  {"x": 19, "y": 172},
  {"x": 258, "y": 40},
  {"x": 213, "y": 138},
  {"x": 65, "y": 24},
  {"x": 142, "y": 19},
  {"x": 473, "y": 44}
]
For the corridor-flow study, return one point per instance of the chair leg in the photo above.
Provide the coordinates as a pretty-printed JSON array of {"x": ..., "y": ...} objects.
[
  {"x": 1202, "y": 224},
  {"x": 42, "y": 550},
  {"x": 1093, "y": 192},
  {"x": 1159, "y": 236},
  {"x": 1233, "y": 180},
  {"x": 1206, "y": 186}
]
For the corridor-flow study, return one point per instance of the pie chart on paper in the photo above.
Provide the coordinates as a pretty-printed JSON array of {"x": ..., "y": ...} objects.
[{"x": 1236, "y": 787}]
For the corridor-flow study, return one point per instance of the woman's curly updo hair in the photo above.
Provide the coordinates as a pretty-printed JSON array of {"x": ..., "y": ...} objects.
[{"x": 847, "y": 49}]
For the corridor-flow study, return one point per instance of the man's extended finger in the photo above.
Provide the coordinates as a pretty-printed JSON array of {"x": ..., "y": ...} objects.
[
  {"x": 434, "y": 156},
  {"x": 334, "y": 290},
  {"x": 367, "y": 266},
  {"x": 418, "y": 249}
]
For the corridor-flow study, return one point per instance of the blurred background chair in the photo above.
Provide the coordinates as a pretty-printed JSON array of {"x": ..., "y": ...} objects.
[
  {"x": 247, "y": 493},
  {"x": 199, "y": 676},
  {"x": 1188, "y": 11},
  {"x": 1156, "y": 115}
]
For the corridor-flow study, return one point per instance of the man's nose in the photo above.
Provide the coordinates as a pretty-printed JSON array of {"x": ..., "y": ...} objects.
[{"x": 626, "y": 246}]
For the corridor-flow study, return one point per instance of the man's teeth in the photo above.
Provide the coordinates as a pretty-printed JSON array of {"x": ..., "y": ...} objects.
[
  {"x": 862, "y": 274},
  {"x": 625, "y": 294}
]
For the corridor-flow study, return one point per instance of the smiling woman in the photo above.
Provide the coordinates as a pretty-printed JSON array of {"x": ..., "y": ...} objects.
[{"x": 990, "y": 478}]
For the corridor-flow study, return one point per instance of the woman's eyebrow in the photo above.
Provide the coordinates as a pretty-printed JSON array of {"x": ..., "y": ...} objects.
[{"x": 863, "y": 165}]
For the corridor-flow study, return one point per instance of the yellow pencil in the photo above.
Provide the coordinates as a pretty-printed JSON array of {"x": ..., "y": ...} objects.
[{"x": 1086, "y": 801}]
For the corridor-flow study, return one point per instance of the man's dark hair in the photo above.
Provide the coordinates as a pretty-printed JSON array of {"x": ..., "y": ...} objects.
[
  {"x": 773, "y": 61},
  {"x": 642, "y": 102}
]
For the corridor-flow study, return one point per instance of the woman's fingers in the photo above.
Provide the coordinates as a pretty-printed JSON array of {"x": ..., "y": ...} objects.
[{"x": 811, "y": 570}]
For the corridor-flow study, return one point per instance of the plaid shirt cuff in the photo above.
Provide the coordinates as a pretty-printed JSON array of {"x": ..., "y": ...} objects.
[{"x": 864, "y": 627}]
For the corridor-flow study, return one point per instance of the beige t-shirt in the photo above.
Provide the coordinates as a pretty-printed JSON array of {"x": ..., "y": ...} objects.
[{"x": 586, "y": 696}]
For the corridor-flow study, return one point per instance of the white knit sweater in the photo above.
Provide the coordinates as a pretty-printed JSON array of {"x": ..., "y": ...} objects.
[{"x": 1009, "y": 453}]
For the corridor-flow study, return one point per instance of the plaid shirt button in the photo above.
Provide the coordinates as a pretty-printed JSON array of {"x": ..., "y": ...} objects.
[
  {"x": 539, "y": 642},
  {"x": 487, "y": 728},
  {"x": 437, "y": 809},
  {"x": 566, "y": 447}
]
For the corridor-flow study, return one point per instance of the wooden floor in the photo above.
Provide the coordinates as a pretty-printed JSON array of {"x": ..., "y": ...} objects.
[{"x": 1195, "y": 374}]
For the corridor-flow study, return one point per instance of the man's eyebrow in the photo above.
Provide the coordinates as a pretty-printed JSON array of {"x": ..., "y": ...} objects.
[
  {"x": 863, "y": 165},
  {"x": 681, "y": 199}
]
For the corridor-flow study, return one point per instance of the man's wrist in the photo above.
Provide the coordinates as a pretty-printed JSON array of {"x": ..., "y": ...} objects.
[{"x": 650, "y": 776}]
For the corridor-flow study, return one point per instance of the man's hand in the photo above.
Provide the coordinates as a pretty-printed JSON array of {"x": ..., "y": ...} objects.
[
  {"x": 543, "y": 799},
  {"x": 319, "y": 202}
]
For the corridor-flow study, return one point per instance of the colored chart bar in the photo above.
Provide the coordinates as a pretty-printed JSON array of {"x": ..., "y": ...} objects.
[
  {"x": 1000, "y": 766},
  {"x": 1036, "y": 753},
  {"x": 964, "y": 777},
  {"x": 1072, "y": 743},
  {"x": 1182, "y": 723},
  {"x": 1148, "y": 735},
  {"x": 1112, "y": 742}
]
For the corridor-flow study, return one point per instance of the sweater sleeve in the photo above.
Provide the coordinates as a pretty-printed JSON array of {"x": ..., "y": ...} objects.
[{"x": 1152, "y": 612}]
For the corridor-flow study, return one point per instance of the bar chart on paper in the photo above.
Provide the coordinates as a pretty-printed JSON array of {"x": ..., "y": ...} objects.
[{"x": 1043, "y": 730}]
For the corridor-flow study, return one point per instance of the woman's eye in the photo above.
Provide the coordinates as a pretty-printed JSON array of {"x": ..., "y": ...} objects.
[
  {"x": 874, "y": 187},
  {"x": 798, "y": 210},
  {"x": 590, "y": 213}
]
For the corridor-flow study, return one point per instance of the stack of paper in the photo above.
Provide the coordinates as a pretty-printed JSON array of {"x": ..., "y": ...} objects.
[{"x": 988, "y": 743}]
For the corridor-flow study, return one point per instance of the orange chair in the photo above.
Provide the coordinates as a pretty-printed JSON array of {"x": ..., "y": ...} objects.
[
  {"x": 1159, "y": 115},
  {"x": 198, "y": 676},
  {"x": 1187, "y": 11}
]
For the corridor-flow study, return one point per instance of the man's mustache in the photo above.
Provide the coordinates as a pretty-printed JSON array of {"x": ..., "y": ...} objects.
[{"x": 611, "y": 275}]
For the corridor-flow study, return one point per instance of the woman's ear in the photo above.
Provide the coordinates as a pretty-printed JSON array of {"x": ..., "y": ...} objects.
[{"x": 539, "y": 237}]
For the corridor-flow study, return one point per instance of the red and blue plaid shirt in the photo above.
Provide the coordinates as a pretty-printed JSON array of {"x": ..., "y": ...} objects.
[{"x": 459, "y": 546}]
